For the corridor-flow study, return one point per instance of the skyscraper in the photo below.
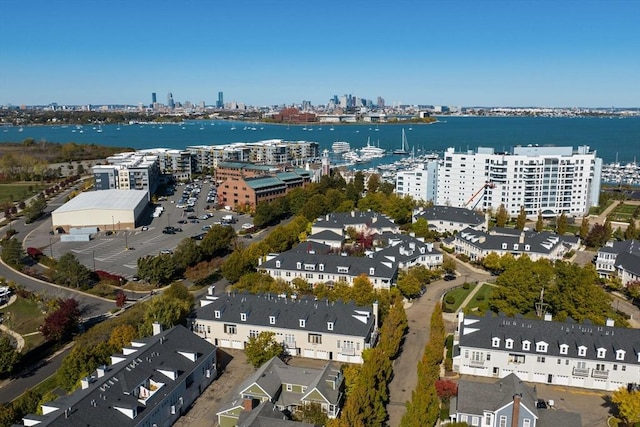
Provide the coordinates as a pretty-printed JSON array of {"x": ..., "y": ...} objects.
[
  {"x": 170, "y": 101},
  {"x": 220, "y": 101},
  {"x": 154, "y": 99}
]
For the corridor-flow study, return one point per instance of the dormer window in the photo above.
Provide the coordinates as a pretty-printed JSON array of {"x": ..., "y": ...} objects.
[
  {"x": 541, "y": 347},
  {"x": 343, "y": 269},
  {"x": 620, "y": 354},
  {"x": 216, "y": 314},
  {"x": 601, "y": 353},
  {"x": 278, "y": 264},
  {"x": 272, "y": 320},
  {"x": 504, "y": 246},
  {"x": 298, "y": 265},
  {"x": 243, "y": 317},
  {"x": 564, "y": 349},
  {"x": 526, "y": 345},
  {"x": 330, "y": 326},
  {"x": 527, "y": 247},
  {"x": 515, "y": 246},
  {"x": 302, "y": 323},
  {"x": 582, "y": 351},
  {"x": 321, "y": 267},
  {"x": 495, "y": 342},
  {"x": 508, "y": 343},
  {"x": 372, "y": 271}
]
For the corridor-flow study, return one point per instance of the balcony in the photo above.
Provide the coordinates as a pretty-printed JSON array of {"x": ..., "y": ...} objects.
[
  {"x": 599, "y": 374},
  {"x": 476, "y": 363},
  {"x": 581, "y": 372},
  {"x": 348, "y": 351}
]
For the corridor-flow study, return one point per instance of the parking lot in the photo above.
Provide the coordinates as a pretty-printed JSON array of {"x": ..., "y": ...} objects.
[{"x": 117, "y": 250}]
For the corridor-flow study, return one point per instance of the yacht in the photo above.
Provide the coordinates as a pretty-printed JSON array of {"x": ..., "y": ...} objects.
[
  {"x": 340, "y": 147},
  {"x": 371, "y": 151},
  {"x": 404, "y": 149}
]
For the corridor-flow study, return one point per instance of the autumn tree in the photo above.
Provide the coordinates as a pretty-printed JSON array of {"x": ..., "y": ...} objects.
[
  {"x": 521, "y": 221},
  {"x": 630, "y": 232},
  {"x": 373, "y": 183},
  {"x": 61, "y": 323},
  {"x": 121, "y": 298},
  {"x": 627, "y": 404},
  {"x": 121, "y": 336},
  {"x": 502, "y": 216},
  {"x": 584, "y": 228},
  {"x": 562, "y": 224},
  {"x": 539, "y": 222},
  {"x": 262, "y": 348},
  {"x": 449, "y": 265},
  {"x": 597, "y": 236}
]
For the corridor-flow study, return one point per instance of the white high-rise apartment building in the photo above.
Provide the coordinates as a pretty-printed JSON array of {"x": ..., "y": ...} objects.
[
  {"x": 552, "y": 180},
  {"x": 421, "y": 182}
]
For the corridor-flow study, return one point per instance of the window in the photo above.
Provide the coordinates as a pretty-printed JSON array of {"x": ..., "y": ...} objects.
[
  {"x": 582, "y": 351},
  {"x": 272, "y": 320},
  {"x": 508, "y": 343},
  {"x": 330, "y": 326},
  {"x": 516, "y": 358},
  {"x": 526, "y": 345},
  {"x": 216, "y": 314},
  {"x": 541, "y": 359},
  {"x": 315, "y": 338},
  {"x": 623, "y": 368},
  {"x": 601, "y": 353},
  {"x": 230, "y": 329},
  {"x": 559, "y": 361},
  {"x": 495, "y": 342},
  {"x": 289, "y": 387},
  {"x": 463, "y": 418},
  {"x": 526, "y": 422},
  {"x": 477, "y": 356},
  {"x": 475, "y": 421},
  {"x": 254, "y": 333},
  {"x": 600, "y": 367},
  {"x": 487, "y": 419},
  {"x": 503, "y": 421},
  {"x": 243, "y": 317},
  {"x": 620, "y": 355},
  {"x": 541, "y": 347},
  {"x": 302, "y": 323},
  {"x": 581, "y": 365},
  {"x": 277, "y": 263},
  {"x": 564, "y": 349}
]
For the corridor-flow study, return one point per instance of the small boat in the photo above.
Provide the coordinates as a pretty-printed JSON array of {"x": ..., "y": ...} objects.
[{"x": 404, "y": 150}]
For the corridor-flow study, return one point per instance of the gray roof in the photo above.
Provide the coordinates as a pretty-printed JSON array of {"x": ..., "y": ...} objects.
[
  {"x": 542, "y": 243},
  {"x": 248, "y": 166},
  {"x": 266, "y": 414},
  {"x": 296, "y": 261},
  {"x": 288, "y": 312},
  {"x": 325, "y": 235},
  {"x": 404, "y": 248},
  {"x": 355, "y": 218},
  {"x": 574, "y": 335},
  {"x": 625, "y": 246},
  {"x": 451, "y": 214},
  {"x": 94, "y": 406},
  {"x": 104, "y": 200},
  {"x": 311, "y": 246},
  {"x": 475, "y": 397},
  {"x": 273, "y": 374},
  {"x": 629, "y": 262}
]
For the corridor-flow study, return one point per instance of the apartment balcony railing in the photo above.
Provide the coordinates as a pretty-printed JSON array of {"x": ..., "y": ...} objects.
[
  {"x": 595, "y": 373},
  {"x": 581, "y": 372},
  {"x": 348, "y": 351},
  {"x": 476, "y": 363}
]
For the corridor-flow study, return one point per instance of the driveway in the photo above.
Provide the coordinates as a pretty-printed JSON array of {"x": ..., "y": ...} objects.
[{"x": 419, "y": 313}]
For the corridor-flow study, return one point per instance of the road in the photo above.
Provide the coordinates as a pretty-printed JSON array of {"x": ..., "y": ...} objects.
[{"x": 419, "y": 314}]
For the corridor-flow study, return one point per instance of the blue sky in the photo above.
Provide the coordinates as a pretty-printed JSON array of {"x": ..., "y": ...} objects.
[{"x": 263, "y": 52}]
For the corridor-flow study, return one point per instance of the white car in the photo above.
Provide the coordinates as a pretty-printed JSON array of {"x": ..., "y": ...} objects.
[{"x": 247, "y": 226}]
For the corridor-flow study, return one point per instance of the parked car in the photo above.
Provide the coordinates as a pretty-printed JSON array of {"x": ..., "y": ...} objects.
[{"x": 449, "y": 277}]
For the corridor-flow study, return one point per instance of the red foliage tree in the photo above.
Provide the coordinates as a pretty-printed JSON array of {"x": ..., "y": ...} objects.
[
  {"x": 60, "y": 324},
  {"x": 121, "y": 298},
  {"x": 446, "y": 389}
]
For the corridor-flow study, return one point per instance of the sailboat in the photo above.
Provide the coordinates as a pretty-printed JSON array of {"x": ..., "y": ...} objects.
[{"x": 405, "y": 146}]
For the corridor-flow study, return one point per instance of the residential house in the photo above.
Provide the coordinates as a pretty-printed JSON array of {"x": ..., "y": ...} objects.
[
  {"x": 407, "y": 250},
  {"x": 507, "y": 402},
  {"x": 152, "y": 383},
  {"x": 449, "y": 219},
  {"x": 478, "y": 244},
  {"x": 361, "y": 221},
  {"x": 620, "y": 258},
  {"x": 601, "y": 357},
  {"x": 317, "y": 329},
  {"x": 282, "y": 387}
]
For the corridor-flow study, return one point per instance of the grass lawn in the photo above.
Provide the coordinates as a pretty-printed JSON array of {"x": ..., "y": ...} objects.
[
  {"x": 32, "y": 341},
  {"x": 480, "y": 301},
  {"x": 23, "y": 316},
  {"x": 19, "y": 191},
  {"x": 459, "y": 294}
]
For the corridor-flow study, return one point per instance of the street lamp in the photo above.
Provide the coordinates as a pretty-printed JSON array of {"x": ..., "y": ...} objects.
[
  {"x": 93, "y": 255},
  {"x": 126, "y": 243},
  {"x": 113, "y": 224},
  {"x": 51, "y": 248}
]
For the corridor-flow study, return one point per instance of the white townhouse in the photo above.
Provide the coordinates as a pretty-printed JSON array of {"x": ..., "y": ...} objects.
[
  {"x": 544, "y": 245},
  {"x": 361, "y": 221},
  {"x": 151, "y": 383},
  {"x": 544, "y": 351},
  {"x": 449, "y": 219},
  {"x": 317, "y": 329},
  {"x": 407, "y": 250},
  {"x": 621, "y": 258},
  {"x": 552, "y": 180}
]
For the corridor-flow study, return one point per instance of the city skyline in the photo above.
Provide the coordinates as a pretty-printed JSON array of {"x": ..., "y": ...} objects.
[{"x": 493, "y": 53}]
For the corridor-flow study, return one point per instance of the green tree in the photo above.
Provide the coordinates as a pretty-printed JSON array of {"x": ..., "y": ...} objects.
[
  {"x": 521, "y": 221},
  {"x": 539, "y": 222},
  {"x": 160, "y": 269},
  {"x": 358, "y": 182},
  {"x": 81, "y": 362},
  {"x": 311, "y": 413},
  {"x": 8, "y": 355},
  {"x": 373, "y": 183},
  {"x": 628, "y": 405},
  {"x": 502, "y": 216},
  {"x": 584, "y": 228},
  {"x": 69, "y": 272},
  {"x": 35, "y": 209},
  {"x": 187, "y": 253},
  {"x": 562, "y": 224},
  {"x": 12, "y": 252},
  {"x": 449, "y": 265},
  {"x": 630, "y": 232},
  {"x": 263, "y": 348},
  {"x": 217, "y": 241},
  {"x": 492, "y": 262},
  {"x": 421, "y": 228},
  {"x": 409, "y": 285},
  {"x": 607, "y": 229},
  {"x": 165, "y": 310}
]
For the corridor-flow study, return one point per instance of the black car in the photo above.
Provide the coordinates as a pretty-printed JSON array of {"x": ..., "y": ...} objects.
[
  {"x": 449, "y": 277},
  {"x": 541, "y": 404},
  {"x": 182, "y": 221}
]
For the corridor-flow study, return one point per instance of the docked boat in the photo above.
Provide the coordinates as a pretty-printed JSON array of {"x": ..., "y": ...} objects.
[
  {"x": 371, "y": 151},
  {"x": 404, "y": 150},
  {"x": 340, "y": 147}
]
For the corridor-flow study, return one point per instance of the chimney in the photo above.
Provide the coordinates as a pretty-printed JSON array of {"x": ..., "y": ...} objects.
[
  {"x": 610, "y": 322},
  {"x": 248, "y": 404},
  {"x": 515, "y": 414},
  {"x": 157, "y": 328},
  {"x": 211, "y": 290},
  {"x": 375, "y": 315},
  {"x": 521, "y": 239}
]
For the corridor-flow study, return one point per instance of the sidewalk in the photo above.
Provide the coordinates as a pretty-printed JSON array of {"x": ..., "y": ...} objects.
[{"x": 15, "y": 335}]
